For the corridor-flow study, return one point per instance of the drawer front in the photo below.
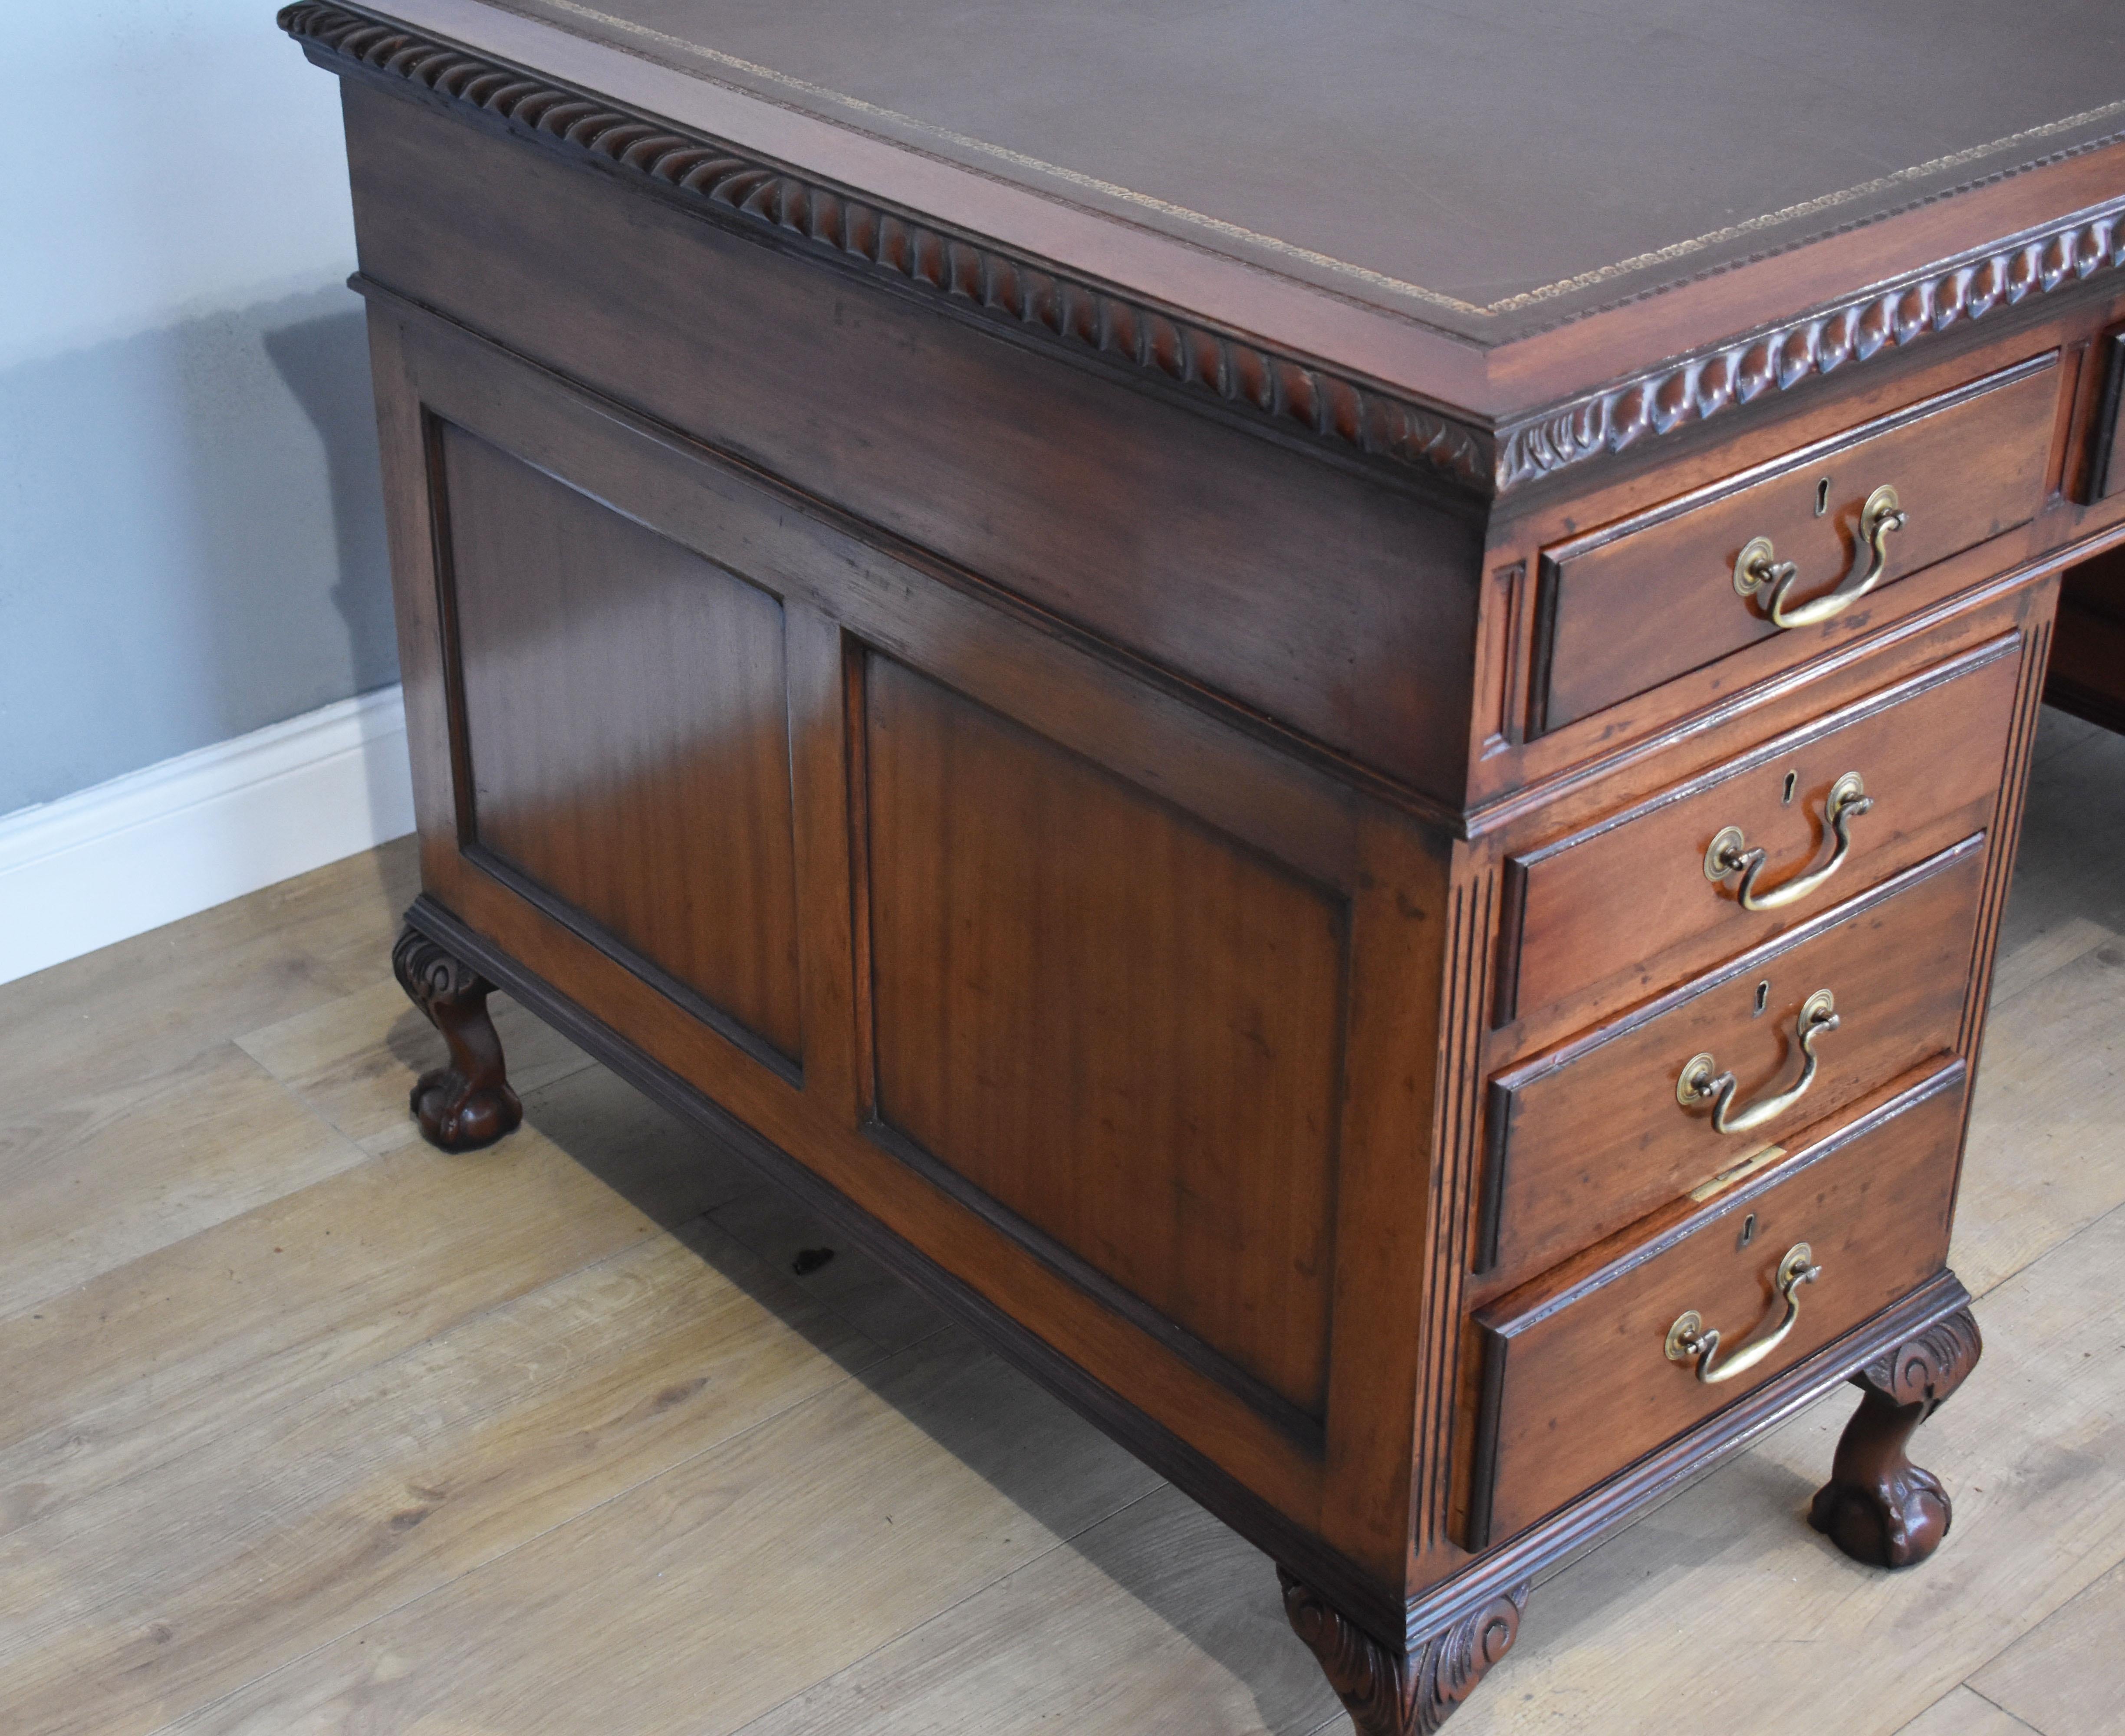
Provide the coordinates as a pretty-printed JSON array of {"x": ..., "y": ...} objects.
[
  {"x": 1593, "y": 1135},
  {"x": 1929, "y": 752},
  {"x": 1577, "y": 1382},
  {"x": 1638, "y": 603}
]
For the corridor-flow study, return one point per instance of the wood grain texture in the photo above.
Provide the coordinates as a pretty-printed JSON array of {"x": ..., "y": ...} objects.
[
  {"x": 1095, "y": 707},
  {"x": 1635, "y": 604},
  {"x": 2007, "y": 828},
  {"x": 2051, "y": 1088},
  {"x": 366, "y": 1518},
  {"x": 1928, "y": 750},
  {"x": 1152, "y": 1617},
  {"x": 170, "y": 998},
  {"x": 1586, "y": 1140},
  {"x": 211, "y": 1139},
  {"x": 846, "y": 586},
  {"x": 1155, "y": 1613},
  {"x": 2040, "y": 1515},
  {"x": 848, "y": 1503},
  {"x": 354, "y": 1063},
  {"x": 1440, "y": 1494},
  {"x": 2058, "y": 1676},
  {"x": 1340, "y": 605},
  {"x": 1878, "y": 1507},
  {"x": 1123, "y": 1028},
  {"x": 2071, "y": 824},
  {"x": 273, "y": 1304},
  {"x": 1144, "y": 764},
  {"x": 626, "y": 732},
  {"x": 1875, "y": 1206},
  {"x": 1964, "y": 1712},
  {"x": 2088, "y": 656}
]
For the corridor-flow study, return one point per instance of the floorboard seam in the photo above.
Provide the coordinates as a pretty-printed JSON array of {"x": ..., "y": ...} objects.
[
  {"x": 938, "y": 1615},
  {"x": 672, "y": 1469},
  {"x": 2036, "y": 1260},
  {"x": 2020, "y": 1723},
  {"x": 152, "y": 1464},
  {"x": 104, "y": 1272}
]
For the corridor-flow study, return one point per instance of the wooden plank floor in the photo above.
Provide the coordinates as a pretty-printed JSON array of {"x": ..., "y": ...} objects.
[{"x": 307, "y": 1428}]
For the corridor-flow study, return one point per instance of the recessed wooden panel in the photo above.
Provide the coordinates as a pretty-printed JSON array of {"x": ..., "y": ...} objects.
[
  {"x": 1119, "y": 1025},
  {"x": 627, "y": 733}
]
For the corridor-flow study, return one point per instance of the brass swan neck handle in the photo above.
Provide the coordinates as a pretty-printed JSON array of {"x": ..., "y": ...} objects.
[
  {"x": 1758, "y": 567},
  {"x": 1701, "y": 1080},
  {"x": 1690, "y": 1337},
  {"x": 1730, "y": 853}
]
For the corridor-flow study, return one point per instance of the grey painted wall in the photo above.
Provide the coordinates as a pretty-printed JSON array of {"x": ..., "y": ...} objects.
[{"x": 191, "y": 542}]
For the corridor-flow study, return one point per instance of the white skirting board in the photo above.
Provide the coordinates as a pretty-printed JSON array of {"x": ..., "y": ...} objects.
[{"x": 143, "y": 849}]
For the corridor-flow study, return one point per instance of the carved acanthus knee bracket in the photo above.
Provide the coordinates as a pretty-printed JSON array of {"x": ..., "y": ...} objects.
[
  {"x": 1402, "y": 1694},
  {"x": 1878, "y": 1507},
  {"x": 468, "y": 1103}
]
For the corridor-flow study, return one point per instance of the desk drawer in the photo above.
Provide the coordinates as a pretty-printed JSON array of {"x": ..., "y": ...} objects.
[
  {"x": 1577, "y": 1382},
  {"x": 1635, "y": 604},
  {"x": 1630, "y": 902},
  {"x": 1592, "y": 1136}
]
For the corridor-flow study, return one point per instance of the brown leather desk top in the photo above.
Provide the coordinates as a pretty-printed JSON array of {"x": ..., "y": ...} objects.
[
  {"x": 1501, "y": 213},
  {"x": 1489, "y": 170}
]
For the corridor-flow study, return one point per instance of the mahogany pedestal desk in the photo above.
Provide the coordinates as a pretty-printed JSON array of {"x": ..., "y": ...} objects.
[{"x": 1321, "y": 709}]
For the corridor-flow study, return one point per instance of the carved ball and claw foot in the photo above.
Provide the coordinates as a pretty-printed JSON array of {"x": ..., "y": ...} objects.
[
  {"x": 1411, "y": 1693},
  {"x": 468, "y": 1103},
  {"x": 1878, "y": 1507}
]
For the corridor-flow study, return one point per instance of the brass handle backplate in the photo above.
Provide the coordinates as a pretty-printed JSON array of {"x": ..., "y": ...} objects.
[
  {"x": 1689, "y": 1337},
  {"x": 1702, "y": 1080},
  {"x": 1758, "y": 567},
  {"x": 1730, "y": 853}
]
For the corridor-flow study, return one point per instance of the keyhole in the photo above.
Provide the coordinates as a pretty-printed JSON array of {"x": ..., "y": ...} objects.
[
  {"x": 1822, "y": 498},
  {"x": 1748, "y": 1231},
  {"x": 1793, "y": 782},
  {"x": 1763, "y": 996}
]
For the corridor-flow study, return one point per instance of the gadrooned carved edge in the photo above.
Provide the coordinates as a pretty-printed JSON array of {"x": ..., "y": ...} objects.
[
  {"x": 1713, "y": 381},
  {"x": 1037, "y": 299},
  {"x": 1395, "y": 1694},
  {"x": 1926, "y": 1369},
  {"x": 429, "y": 974},
  {"x": 981, "y": 276}
]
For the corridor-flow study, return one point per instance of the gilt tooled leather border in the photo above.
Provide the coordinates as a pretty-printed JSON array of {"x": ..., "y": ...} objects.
[
  {"x": 1033, "y": 296},
  {"x": 1015, "y": 290}
]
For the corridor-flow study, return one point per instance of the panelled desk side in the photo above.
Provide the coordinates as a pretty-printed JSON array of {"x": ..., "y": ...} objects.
[{"x": 1166, "y": 861}]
